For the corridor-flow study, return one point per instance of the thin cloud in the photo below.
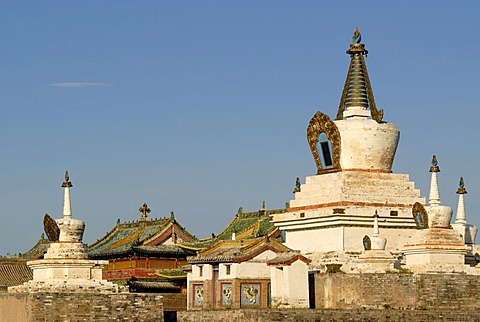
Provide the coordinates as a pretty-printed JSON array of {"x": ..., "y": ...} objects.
[{"x": 77, "y": 84}]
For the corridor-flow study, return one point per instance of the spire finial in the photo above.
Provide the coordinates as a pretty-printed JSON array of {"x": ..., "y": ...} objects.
[
  {"x": 461, "y": 187},
  {"x": 434, "y": 198},
  {"x": 357, "y": 36},
  {"x": 357, "y": 97},
  {"x": 434, "y": 167},
  {"x": 66, "y": 183}
]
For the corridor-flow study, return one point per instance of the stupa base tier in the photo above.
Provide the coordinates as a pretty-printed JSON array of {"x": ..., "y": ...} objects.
[
  {"x": 66, "y": 250},
  {"x": 67, "y": 275},
  {"x": 376, "y": 261},
  {"x": 66, "y": 269},
  {"x": 357, "y": 186},
  {"x": 344, "y": 238},
  {"x": 446, "y": 258}
]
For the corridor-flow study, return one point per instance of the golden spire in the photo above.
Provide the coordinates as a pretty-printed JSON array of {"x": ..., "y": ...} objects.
[{"x": 357, "y": 96}]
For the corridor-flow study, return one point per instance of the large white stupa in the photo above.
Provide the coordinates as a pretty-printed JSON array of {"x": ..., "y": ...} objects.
[{"x": 332, "y": 211}]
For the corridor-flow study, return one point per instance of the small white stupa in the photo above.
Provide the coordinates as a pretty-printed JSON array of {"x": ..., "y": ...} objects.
[
  {"x": 466, "y": 230},
  {"x": 436, "y": 247},
  {"x": 375, "y": 259},
  {"x": 66, "y": 266}
]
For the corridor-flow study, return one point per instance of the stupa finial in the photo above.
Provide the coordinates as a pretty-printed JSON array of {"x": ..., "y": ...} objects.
[
  {"x": 357, "y": 36},
  {"x": 357, "y": 97},
  {"x": 461, "y": 187},
  {"x": 434, "y": 197},
  {"x": 434, "y": 167},
  {"x": 66, "y": 183}
]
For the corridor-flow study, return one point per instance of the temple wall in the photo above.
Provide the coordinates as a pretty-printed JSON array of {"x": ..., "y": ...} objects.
[
  {"x": 51, "y": 306},
  {"x": 306, "y": 315},
  {"x": 399, "y": 291}
]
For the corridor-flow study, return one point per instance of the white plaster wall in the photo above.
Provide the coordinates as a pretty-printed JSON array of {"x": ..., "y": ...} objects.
[
  {"x": 322, "y": 240},
  {"x": 252, "y": 270},
  {"x": 222, "y": 271},
  {"x": 296, "y": 276},
  {"x": 277, "y": 285},
  {"x": 206, "y": 274},
  {"x": 189, "y": 289}
]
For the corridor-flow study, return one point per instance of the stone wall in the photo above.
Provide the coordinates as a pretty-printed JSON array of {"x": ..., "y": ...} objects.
[
  {"x": 399, "y": 291},
  {"x": 174, "y": 302},
  {"x": 49, "y": 306},
  {"x": 306, "y": 315}
]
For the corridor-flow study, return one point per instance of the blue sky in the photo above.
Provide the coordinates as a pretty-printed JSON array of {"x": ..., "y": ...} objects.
[{"x": 201, "y": 107}]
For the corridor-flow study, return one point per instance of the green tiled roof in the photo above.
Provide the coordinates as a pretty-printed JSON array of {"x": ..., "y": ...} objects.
[
  {"x": 14, "y": 272},
  {"x": 37, "y": 251},
  {"x": 246, "y": 225},
  {"x": 125, "y": 235}
]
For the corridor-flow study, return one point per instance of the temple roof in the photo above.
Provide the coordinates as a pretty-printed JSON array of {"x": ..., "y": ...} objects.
[
  {"x": 140, "y": 236},
  {"x": 37, "y": 251},
  {"x": 237, "y": 250},
  {"x": 153, "y": 285},
  {"x": 245, "y": 225},
  {"x": 287, "y": 258},
  {"x": 14, "y": 272}
]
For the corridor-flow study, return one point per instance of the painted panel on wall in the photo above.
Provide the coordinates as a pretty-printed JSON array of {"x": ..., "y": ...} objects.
[
  {"x": 227, "y": 294},
  {"x": 250, "y": 295}
]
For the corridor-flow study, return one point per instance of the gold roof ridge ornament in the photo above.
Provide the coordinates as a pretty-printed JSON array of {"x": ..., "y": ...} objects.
[
  {"x": 144, "y": 210},
  {"x": 357, "y": 91}
]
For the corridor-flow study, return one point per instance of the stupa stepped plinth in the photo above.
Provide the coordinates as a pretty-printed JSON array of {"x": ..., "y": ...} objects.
[{"x": 65, "y": 266}]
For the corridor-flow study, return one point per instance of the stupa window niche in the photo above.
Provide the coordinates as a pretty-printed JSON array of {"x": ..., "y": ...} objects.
[
  {"x": 324, "y": 149},
  {"x": 324, "y": 141},
  {"x": 420, "y": 216}
]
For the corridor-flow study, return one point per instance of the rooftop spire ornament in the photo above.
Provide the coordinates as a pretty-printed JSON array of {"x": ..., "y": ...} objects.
[
  {"x": 357, "y": 97},
  {"x": 144, "y": 210},
  {"x": 357, "y": 36}
]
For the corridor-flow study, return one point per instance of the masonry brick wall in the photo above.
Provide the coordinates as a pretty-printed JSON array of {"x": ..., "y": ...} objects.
[
  {"x": 53, "y": 307},
  {"x": 371, "y": 297},
  {"x": 307, "y": 315},
  {"x": 402, "y": 291},
  {"x": 174, "y": 302}
]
